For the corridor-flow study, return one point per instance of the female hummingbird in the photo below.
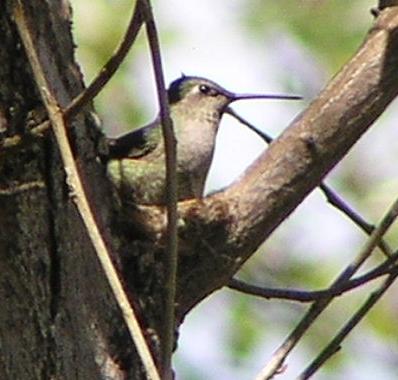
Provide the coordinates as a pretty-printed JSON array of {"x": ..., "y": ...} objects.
[{"x": 137, "y": 159}]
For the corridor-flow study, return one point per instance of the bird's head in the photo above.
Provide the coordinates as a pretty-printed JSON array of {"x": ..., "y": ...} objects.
[{"x": 203, "y": 93}]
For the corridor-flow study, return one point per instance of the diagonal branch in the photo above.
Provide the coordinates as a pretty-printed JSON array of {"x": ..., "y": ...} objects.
[
  {"x": 78, "y": 193},
  {"x": 332, "y": 197},
  {"x": 97, "y": 84},
  {"x": 111, "y": 66}
]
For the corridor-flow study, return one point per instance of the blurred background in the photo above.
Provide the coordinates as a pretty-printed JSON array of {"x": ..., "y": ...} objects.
[{"x": 285, "y": 46}]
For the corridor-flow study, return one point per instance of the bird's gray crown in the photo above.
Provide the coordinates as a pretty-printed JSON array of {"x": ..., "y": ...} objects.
[{"x": 182, "y": 86}]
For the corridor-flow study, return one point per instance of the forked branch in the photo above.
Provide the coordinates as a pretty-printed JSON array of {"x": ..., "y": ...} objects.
[{"x": 220, "y": 232}]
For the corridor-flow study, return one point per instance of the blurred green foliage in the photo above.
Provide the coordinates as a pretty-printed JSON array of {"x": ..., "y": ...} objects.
[
  {"x": 244, "y": 328},
  {"x": 98, "y": 30},
  {"x": 332, "y": 29}
]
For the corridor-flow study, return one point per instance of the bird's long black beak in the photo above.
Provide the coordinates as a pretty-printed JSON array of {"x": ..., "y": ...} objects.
[{"x": 235, "y": 97}]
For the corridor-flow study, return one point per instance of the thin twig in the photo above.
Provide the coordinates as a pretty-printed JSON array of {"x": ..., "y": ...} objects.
[
  {"x": 332, "y": 197},
  {"x": 316, "y": 309},
  {"x": 387, "y": 267},
  {"x": 335, "y": 200},
  {"x": 79, "y": 197},
  {"x": 170, "y": 144},
  {"x": 97, "y": 84},
  {"x": 334, "y": 345},
  {"x": 109, "y": 69}
]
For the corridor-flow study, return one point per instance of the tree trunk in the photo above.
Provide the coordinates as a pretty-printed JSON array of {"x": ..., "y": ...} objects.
[{"x": 59, "y": 318}]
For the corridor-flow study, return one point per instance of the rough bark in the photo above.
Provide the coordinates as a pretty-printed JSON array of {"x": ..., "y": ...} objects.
[{"x": 59, "y": 319}]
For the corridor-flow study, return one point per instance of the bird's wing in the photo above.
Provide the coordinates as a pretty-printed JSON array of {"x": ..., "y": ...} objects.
[{"x": 135, "y": 144}]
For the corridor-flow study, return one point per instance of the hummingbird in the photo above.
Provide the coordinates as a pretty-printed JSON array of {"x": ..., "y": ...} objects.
[{"x": 136, "y": 163}]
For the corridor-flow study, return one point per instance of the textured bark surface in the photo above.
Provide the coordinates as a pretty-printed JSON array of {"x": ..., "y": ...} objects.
[{"x": 58, "y": 316}]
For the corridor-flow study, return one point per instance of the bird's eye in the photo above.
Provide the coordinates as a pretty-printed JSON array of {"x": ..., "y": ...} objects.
[
  {"x": 204, "y": 89},
  {"x": 207, "y": 90}
]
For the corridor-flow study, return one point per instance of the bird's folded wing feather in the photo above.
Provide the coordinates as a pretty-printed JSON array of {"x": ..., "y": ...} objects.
[{"x": 135, "y": 144}]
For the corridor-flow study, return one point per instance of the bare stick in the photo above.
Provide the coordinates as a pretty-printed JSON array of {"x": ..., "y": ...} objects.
[
  {"x": 170, "y": 263},
  {"x": 383, "y": 269},
  {"x": 79, "y": 197},
  {"x": 110, "y": 67},
  {"x": 316, "y": 309},
  {"x": 98, "y": 83},
  {"x": 333, "y": 198},
  {"x": 334, "y": 346}
]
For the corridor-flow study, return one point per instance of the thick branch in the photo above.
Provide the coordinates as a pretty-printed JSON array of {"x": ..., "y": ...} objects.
[
  {"x": 220, "y": 232},
  {"x": 332, "y": 197}
]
